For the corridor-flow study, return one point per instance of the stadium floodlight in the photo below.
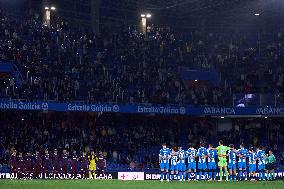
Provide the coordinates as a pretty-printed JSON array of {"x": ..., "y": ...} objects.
[
  {"x": 222, "y": 117},
  {"x": 195, "y": 80},
  {"x": 46, "y": 8},
  {"x": 52, "y": 8},
  {"x": 148, "y": 15},
  {"x": 265, "y": 117},
  {"x": 143, "y": 15},
  {"x": 256, "y": 14}
]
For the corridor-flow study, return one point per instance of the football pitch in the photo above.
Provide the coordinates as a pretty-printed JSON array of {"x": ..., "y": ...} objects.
[{"x": 117, "y": 184}]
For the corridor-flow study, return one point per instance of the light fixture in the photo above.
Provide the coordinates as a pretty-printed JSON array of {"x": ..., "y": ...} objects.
[
  {"x": 195, "y": 80},
  {"x": 148, "y": 15},
  {"x": 222, "y": 117},
  {"x": 52, "y": 8},
  {"x": 256, "y": 14},
  {"x": 46, "y": 8},
  {"x": 143, "y": 15},
  {"x": 265, "y": 117}
]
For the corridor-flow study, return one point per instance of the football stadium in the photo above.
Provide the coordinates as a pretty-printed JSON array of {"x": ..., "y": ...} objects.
[{"x": 122, "y": 94}]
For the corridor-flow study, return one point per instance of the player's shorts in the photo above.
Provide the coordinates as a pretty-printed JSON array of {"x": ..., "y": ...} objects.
[
  {"x": 222, "y": 162},
  {"x": 261, "y": 166},
  {"x": 181, "y": 167},
  {"x": 202, "y": 166},
  {"x": 212, "y": 165},
  {"x": 242, "y": 165},
  {"x": 252, "y": 167},
  {"x": 270, "y": 166},
  {"x": 232, "y": 166},
  {"x": 92, "y": 167},
  {"x": 174, "y": 168},
  {"x": 191, "y": 165},
  {"x": 164, "y": 166}
]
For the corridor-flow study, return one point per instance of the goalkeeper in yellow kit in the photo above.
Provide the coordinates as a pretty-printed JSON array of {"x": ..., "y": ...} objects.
[{"x": 92, "y": 164}]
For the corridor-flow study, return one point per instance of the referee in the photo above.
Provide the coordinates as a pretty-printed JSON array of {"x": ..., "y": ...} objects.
[{"x": 271, "y": 160}]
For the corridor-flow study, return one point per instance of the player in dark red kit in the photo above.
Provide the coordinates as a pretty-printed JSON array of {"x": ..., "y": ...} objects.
[
  {"x": 13, "y": 164},
  {"x": 84, "y": 165},
  {"x": 46, "y": 164},
  {"x": 37, "y": 165},
  {"x": 101, "y": 165},
  {"x": 55, "y": 164},
  {"x": 74, "y": 165},
  {"x": 28, "y": 165},
  {"x": 21, "y": 166},
  {"x": 64, "y": 164}
]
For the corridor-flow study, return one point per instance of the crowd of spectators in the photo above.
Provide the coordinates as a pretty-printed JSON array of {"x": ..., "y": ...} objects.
[
  {"x": 128, "y": 141},
  {"x": 63, "y": 63}
]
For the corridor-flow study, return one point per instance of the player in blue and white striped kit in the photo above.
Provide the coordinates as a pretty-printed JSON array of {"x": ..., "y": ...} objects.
[
  {"x": 243, "y": 154},
  {"x": 202, "y": 155},
  {"x": 164, "y": 157},
  {"x": 174, "y": 164},
  {"x": 232, "y": 163},
  {"x": 252, "y": 163},
  {"x": 191, "y": 154},
  {"x": 181, "y": 164},
  {"x": 261, "y": 163},
  {"x": 212, "y": 167}
]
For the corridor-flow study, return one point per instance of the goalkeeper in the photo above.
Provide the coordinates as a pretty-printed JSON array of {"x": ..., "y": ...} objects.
[{"x": 222, "y": 157}]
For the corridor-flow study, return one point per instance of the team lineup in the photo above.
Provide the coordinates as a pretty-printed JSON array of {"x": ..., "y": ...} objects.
[
  {"x": 233, "y": 164},
  {"x": 56, "y": 165}
]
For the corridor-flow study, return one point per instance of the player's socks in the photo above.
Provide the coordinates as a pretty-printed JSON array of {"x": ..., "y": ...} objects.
[
  {"x": 168, "y": 176},
  {"x": 162, "y": 175},
  {"x": 227, "y": 174},
  {"x": 180, "y": 175},
  {"x": 240, "y": 175},
  {"x": 188, "y": 176},
  {"x": 214, "y": 175},
  {"x": 231, "y": 177},
  {"x": 195, "y": 175},
  {"x": 200, "y": 175},
  {"x": 184, "y": 175},
  {"x": 263, "y": 175},
  {"x": 205, "y": 175},
  {"x": 172, "y": 177},
  {"x": 221, "y": 174},
  {"x": 210, "y": 175}
]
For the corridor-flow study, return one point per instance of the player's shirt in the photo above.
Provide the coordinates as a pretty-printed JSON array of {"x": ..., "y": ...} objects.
[
  {"x": 252, "y": 158},
  {"x": 101, "y": 161},
  {"x": 28, "y": 162},
  {"x": 232, "y": 157},
  {"x": 191, "y": 153},
  {"x": 92, "y": 159},
  {"x": 202, "y": 152},
  {"x": 20, "y": 163},
  {"x": 13, "y": 161},
  {"x": 211, "y": 155},
  {"x": 164, "y": 155},
  {"x": 55, "y": 161},
  {"x": 243, "y": 152},
  {"x": 261, "y": 157},
  {"x": 222, "y": 151},
  {"x": 84, "y": 162},
  {"x": 46, "y": 160},
  {"x": 64, "y": 160},
  {"x": 181, "y": 156},
  {"x": 271, "y": 159},
  {"x": 174, "y": 160},
  {"x": 74, "y": 160},
  {"x": 38, "y": 161}
]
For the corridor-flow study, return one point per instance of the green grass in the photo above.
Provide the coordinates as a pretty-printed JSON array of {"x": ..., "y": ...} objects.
[{"x": 117, "y": 184}]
